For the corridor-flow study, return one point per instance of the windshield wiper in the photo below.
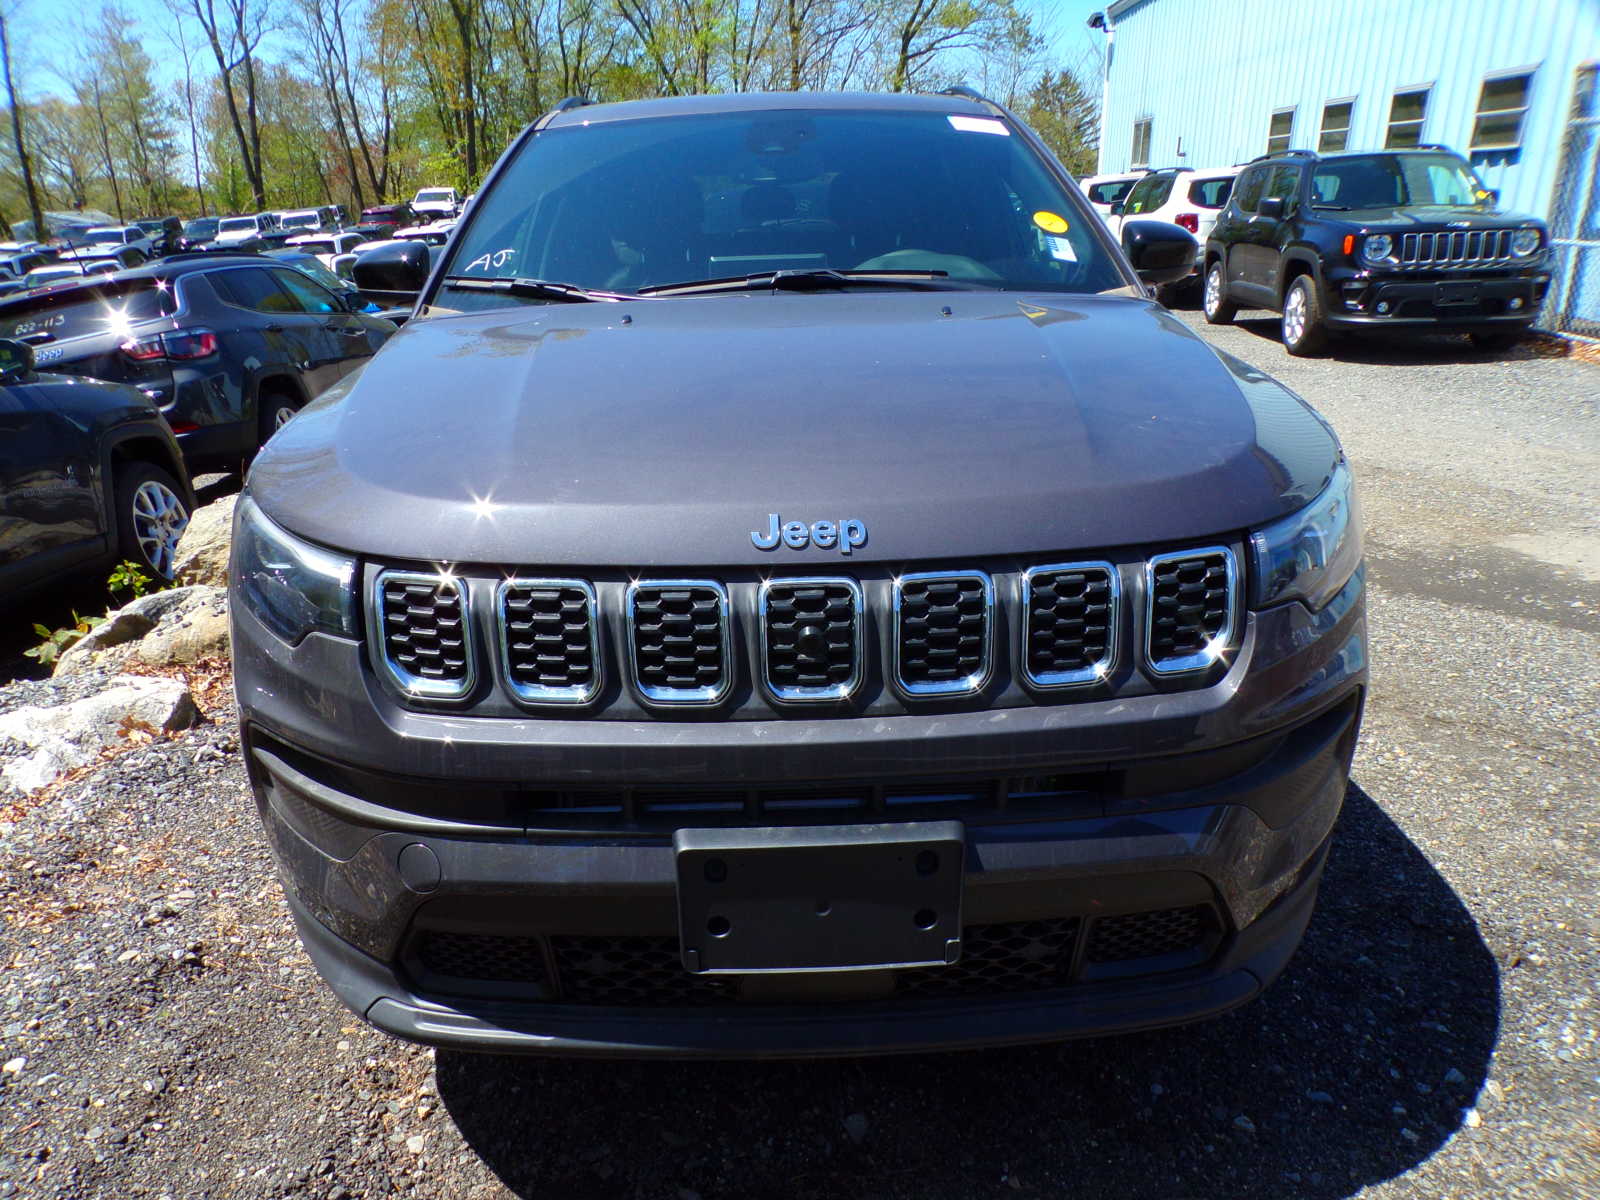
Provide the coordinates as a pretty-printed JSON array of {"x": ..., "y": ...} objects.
[
  {"x": 1333, "y": 207},
  {"x": 818, "y": 279},
  {"x": 539, "y": 289}
]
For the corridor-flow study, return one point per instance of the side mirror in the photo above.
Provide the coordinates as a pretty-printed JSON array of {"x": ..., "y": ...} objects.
[
  {"x": 1117, "y": 207},
  {"x": 1271, "y": 208},
  {"x": 1159, "y": 252},
  {"x": 16, "y": 360},
  {"x": 398, "y": 269}
]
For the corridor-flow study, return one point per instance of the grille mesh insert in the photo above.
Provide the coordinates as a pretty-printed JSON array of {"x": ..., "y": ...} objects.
[
  {"x": 492, "y": 958},
  {"x": 1018, "y": 956},
  {"x": 630, "y": 971},
  {"x": 1189, "y": 605},
  {"x": 1070, "y": 623},
  {"x": 1148, "y": 934},
  {"x": 424, "y": 628},
  {"x": 678, "y": 638},
  {"x": 812, "y": 635},
  {"x": 549, "y": 638},
  {"x": 943, "y": 631}
]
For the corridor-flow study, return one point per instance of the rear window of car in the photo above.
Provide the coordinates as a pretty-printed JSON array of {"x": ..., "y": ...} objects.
[
  {"x": 1110, "y": 193},
  {"x": 318, "y": 246},
  {"x": 234, "y": 224},
  {"x": 84, "y": 311},
  {"x": 1210, "y": 193}
]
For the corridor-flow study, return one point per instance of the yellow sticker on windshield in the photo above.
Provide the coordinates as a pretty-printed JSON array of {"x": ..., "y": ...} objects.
[{"x": 1050, "y": 222}]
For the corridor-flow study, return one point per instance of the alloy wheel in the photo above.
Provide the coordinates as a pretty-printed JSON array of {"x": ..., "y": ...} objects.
[
  {"x": 1213, "y": 289},
  {"x": 159, "y": 519},
  {"x": 1294, "y": 317}
]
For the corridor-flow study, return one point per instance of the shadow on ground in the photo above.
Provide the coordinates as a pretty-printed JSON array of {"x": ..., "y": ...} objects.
[
  {"x": 1353, "y": 1068},
  {"x": 1389, "y": 349}
]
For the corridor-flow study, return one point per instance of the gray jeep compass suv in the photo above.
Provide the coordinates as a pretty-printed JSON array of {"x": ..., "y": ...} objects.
[{"x": 788, "y": 591}]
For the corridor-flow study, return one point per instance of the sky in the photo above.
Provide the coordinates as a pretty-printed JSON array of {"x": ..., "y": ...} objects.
[{"x": 42, "y": 42}]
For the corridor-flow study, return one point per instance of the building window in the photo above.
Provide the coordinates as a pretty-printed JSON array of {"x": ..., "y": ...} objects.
[
  {"x": 1335, "y": 126},
  {"x": 1406, "y": 115},
  {"x": 1141, "y": 143},
  {"x": 1282, "y": 130},
  {"x": 1502, "y": 105}
]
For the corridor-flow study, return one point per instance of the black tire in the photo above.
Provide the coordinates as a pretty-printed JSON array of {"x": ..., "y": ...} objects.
[
  {"x": 1495, "y": 341},
  {"x": 1214, "y": 302},
  {"x": 275, "y": 409},
  {"x": 1304, "y": 331},
  {"x": 151, "y": 515}
]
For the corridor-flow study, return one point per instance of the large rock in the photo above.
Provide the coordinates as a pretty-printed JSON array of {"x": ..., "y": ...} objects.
[
  {"x": 59, "y": 737},
  {"x": 128, "y": 624},
  {"x": 203, "y": 549},
  {"x": 195, "y": 630}
]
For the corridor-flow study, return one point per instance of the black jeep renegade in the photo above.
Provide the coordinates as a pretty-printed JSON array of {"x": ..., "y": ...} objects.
[{"x": 1398, "y": 240}]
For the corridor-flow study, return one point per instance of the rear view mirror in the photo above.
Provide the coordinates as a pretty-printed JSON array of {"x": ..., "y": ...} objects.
[
  {"x": 400, "y": 269},
  {"x": 16, "y": 360},
  {"x": 1159, "y": 252}
]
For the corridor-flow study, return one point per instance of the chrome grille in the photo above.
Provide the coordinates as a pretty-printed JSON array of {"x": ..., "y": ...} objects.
[
  {"x": 549, "y": 640},
  {"x": 680, "y": 642},
  {"x": 1190, "y": 600},
  {"x": 1455, "y": 248},
  {"x": 944, "y": 623},
  {"x": 812, "y": 639},
  {"x": 424, "y": 641},
  {"x": 1071, "y": 629}
]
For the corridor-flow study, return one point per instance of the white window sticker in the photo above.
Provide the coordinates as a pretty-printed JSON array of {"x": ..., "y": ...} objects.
[
  {"x": 979, "y": 125},
  {"x": 1060, "y": 248}
]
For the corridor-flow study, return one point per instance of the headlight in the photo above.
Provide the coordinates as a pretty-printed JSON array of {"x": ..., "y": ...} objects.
[
  {"x": 1377, "y": 246},
  {"x": 1525, "y": 242},
  {"x": 291, "y": 586},
  {"x": 1311, "y": 554}
]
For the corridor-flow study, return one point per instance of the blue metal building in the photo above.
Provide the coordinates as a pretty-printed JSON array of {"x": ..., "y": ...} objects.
[{"x": 1512, "y": 84}]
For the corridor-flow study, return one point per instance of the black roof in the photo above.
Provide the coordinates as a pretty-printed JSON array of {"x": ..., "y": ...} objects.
[{"x": 1314, "y": 156}]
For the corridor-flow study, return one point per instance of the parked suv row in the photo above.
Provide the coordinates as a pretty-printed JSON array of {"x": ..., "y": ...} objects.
[{"x": 1392, "y": 240}]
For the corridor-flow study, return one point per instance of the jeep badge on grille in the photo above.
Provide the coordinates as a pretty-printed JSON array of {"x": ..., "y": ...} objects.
[{"x": 846, "y": 534}]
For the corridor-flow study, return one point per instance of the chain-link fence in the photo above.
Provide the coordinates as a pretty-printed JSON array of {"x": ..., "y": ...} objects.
[{"x": 1573, "y": 304}]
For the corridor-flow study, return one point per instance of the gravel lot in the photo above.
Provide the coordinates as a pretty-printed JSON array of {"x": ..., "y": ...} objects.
[{"x": 163, "y": 1035}]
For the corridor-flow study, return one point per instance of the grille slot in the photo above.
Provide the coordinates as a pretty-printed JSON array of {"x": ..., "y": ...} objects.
[
  {"x": 679, "y": 640},
  {"x": 1070, "y": 634},
  {"x": 1148, "y": 934},
  {"x": 1190, "y": 600},
  {"x": 549, "y": 640},
  {"x": 488, "y": 958},
  {"x": 944, "y": 627},
  {"x": 632, "y": 971},
  {"x": 1018, "y": 956},
  {"x": 425, "y": 644},
  {"x": 1455, "y": 248},
  {"x": 812, "y": 640}
]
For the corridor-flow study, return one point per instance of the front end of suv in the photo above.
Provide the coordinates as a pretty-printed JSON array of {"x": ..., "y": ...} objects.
[{"x": 963, "y": 684}]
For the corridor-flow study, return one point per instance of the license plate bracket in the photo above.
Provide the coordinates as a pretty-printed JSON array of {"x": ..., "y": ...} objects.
[
  {"x": 1455, "y": 293},
  {"x": 819, "y": 898}
]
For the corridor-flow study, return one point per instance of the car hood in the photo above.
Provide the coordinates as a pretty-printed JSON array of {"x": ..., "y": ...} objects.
[
  {"x": 1433, "y": 217},
  {"x": 665, "y": 432}
]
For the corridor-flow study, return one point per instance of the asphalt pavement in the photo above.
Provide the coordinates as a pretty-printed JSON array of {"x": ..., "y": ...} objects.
[{"x": 1435, "y": 1036}]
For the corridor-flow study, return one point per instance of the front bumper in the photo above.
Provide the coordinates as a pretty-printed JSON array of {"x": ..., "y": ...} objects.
[
  {"x": 1460, "y": 301},
  {"x": 439, "y": 911}
]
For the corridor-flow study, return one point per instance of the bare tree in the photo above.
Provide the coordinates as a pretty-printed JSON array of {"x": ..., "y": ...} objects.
[
  {"x": 23, "y": 163},
  {"x": 233, "y": 38}
]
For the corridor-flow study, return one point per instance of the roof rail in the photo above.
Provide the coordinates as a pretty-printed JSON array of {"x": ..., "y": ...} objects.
[
  {"x": 571, "y": 102},
  {"x": 969, "y": 93},
  {"x": 1284, "y": 154}
]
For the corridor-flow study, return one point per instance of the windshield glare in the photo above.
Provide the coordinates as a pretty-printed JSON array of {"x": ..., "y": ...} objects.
[
  {"x": 629, "y": 204},
  {"x": 1397, "y": 181}
]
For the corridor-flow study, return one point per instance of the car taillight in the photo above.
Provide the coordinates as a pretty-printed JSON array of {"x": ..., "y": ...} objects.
[
  {"x": 1189, "y": 221},
  {"x": 184, "y": 344}
]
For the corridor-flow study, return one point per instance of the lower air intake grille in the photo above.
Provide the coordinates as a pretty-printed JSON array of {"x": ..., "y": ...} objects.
[
  {"x": 424, "y": 632},
  {"x": 1148, "y": 934},
  {"x": 1019, "y": 956},
  {"x": 551, "y": 653},
  {"x": 942, "y": 632},
  {"x": 630, "y": 971},
  {"x": 680, "y": 641},
  {"x": 1191, "y": 609},
  {"x": 1072, "y": 614},
  {"x": 811, "y": 637},
  {"x": 489, "y": 958}
]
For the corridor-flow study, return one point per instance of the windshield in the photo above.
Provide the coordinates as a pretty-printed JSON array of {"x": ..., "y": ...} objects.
[
  {"x": 298, "y": 220},
  {"x": 1396, "y": 181},
  {"x": 630, "y": 204},
  {"x": 435, "y": 194},
  {"x": 46, "y": 274},
  {"x": 236, "y": 225},
  {"x": 103, "y": 237},
  {"x": 200, "y": 226},
  {"x": 315, "y": 246}
]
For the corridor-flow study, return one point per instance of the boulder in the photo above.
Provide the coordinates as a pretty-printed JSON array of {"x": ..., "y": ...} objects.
[
  {"x": 128, "y": 624},
  {"x": 197, "y": 629},
  {"x": 56, "y": 738},
  {"x": 202, "y": 555}
]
